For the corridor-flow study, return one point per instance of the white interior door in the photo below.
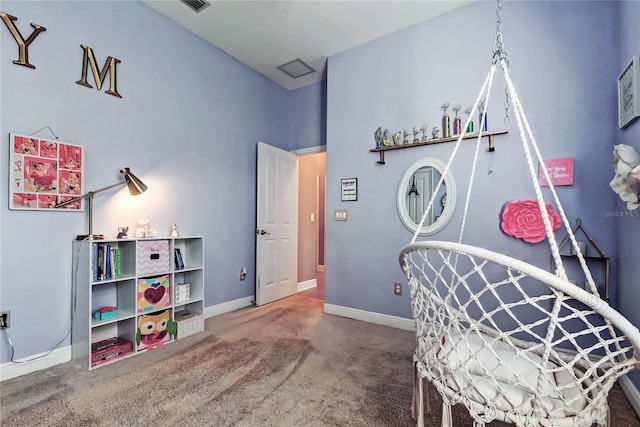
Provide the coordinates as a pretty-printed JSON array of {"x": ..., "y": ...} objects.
[{"x": 276, "y": 224}]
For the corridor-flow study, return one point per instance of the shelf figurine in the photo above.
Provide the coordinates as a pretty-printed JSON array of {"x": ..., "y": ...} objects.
[
  {"x": 446, "y": 130},
  {"x": 406, "y": 134},
  {"x": 434, "y": 133},
  {"x": 122, "y": 232},
  {"x": 416, "y": 132},
  {"x": 377, "y": 136},
  {"x": 396, "y": 137},
  {"x": 143, "y": 229},
  {"x": 174, "y": 230},
  {"x": 386, "y": 138},
  {"x": 424, "y": 130}
]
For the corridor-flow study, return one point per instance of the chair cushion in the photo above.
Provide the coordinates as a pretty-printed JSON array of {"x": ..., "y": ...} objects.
[{"x": 487, "y": 370}]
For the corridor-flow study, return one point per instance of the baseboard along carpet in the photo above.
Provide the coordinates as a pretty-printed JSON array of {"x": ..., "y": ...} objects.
[{"x": 283, "y": 364}]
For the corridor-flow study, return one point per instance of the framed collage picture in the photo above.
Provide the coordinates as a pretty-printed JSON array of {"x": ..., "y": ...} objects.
[{"x": 44, "y": 173}]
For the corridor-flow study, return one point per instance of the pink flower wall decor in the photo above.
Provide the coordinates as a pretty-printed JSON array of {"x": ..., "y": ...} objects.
[{"x": 523, "y": 219}]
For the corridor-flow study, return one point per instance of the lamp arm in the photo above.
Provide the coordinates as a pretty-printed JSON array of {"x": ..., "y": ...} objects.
[{"x": 90, "y": 194}]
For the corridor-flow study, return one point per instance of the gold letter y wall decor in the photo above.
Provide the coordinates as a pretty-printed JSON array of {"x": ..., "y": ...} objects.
[{"x": 23, "y": 45}]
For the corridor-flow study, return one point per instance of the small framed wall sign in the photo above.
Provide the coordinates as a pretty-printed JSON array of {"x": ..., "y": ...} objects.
[
  {"x": 629, "y": 93},
  {"x": 560, "y": 171},
  {"x": 349, "y": 189}
]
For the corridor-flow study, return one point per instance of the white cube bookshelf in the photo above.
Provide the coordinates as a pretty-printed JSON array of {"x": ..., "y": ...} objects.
[{"x": 122, "y": 289}]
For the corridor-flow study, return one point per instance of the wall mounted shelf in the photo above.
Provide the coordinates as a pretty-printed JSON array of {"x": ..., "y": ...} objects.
[{"x": 490, "y": 135}]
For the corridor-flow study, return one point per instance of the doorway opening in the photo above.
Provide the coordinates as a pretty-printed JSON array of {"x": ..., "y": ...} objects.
[{"x": 311, "y": 224}]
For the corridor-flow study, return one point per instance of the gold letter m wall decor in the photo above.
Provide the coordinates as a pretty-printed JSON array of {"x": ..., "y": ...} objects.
[{"x": 109, "y": 65}]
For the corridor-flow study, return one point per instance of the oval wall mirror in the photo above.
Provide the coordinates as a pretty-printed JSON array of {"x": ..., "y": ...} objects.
[{"x": 417, "y": 185}]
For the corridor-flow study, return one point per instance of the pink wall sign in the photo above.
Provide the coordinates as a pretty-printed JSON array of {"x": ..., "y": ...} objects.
[{"x": 560, "y": 171}]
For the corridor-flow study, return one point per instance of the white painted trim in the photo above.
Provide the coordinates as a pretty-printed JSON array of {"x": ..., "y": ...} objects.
[
  {"x": 228, "y": 306},
  {"x": 310, "y": 150},
  {"x": 10, "y": 370},
  {"x": 631, "y": 392},
  {"x": 307, "y": 284},
  {"x": 371, "y": 317}
]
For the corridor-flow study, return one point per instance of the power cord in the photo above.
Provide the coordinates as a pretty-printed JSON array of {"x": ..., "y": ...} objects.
[{"x": 73, "y": 310}]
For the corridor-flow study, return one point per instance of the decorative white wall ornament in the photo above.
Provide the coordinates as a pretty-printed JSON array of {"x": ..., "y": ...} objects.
[{"x": 626, "y": 183}]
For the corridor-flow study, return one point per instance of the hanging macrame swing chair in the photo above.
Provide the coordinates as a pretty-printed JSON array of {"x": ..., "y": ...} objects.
[{"x": 506, "y": 339}]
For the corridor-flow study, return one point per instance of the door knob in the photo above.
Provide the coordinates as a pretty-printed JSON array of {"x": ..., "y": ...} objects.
[{"x": 262, "y": 232}]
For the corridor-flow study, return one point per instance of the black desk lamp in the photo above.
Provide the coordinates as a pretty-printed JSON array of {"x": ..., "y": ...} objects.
[{"x": 133, "y": 183}]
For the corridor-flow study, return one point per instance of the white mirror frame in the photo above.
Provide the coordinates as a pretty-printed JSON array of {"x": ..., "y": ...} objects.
[{"x": 449, "y": 207}]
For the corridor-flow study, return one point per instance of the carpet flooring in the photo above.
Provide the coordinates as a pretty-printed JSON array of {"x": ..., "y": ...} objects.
[{"x": 283, "y": 364}]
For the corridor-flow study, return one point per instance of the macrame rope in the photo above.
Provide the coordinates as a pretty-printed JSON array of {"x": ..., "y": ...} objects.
[
  {"x": 453, "y": 154},
  {"x": 478, "y": 141},
  {"x": 522, "y": 120},
  {"x": 523, "y": 123}
]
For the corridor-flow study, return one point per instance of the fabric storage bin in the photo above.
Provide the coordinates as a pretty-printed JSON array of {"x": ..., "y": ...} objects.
[
  {"x": 153, "y": 257},
  {"x": 154, "y": 293}
]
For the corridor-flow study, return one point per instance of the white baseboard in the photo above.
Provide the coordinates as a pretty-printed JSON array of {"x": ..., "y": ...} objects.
[
  {"x": 631, "y": 392},
  {"x": 307, "y": 284},
  {"x": 228, "y": 306},
  {"x": 371, "y": 317},
  {"x": 10, "y": 370}
]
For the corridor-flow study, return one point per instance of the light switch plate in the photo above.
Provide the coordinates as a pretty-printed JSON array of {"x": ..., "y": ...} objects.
[{"x": 340, "y": 215}]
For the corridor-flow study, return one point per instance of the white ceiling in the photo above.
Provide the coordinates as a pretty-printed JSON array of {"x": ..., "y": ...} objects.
[{"x": 265, "y": 34}]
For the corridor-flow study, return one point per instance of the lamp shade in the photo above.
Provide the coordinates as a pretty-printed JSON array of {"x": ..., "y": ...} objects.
[{"x": 134, "y": 184}]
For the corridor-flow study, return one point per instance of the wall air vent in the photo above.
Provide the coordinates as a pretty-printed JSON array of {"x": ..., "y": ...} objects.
[
  {"x": 196, "y": 5},
  {"x": 296, "y": 68}
]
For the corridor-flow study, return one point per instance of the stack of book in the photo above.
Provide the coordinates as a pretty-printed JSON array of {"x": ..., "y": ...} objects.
[
  {"x": 179, "y": 260},
  {"x": 105, "y": 261}
]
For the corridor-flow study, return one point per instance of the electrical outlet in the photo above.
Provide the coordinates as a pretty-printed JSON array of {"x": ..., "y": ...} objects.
[
  {"x": 397, "y": 288},
  {"x": 5, "y": 319},
  {"x": 243, "y": 273}
]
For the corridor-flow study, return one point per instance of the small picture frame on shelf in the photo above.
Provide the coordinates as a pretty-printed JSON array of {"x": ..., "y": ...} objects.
[
  {"x": 629, "y": 93},
  {"x": 349, "y": 189}
]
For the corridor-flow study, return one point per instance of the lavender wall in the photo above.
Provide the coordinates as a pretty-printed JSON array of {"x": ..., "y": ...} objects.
[
  {"x": 308, "y": 116},
  {"x": 187, "y": 125},
  {"x": 564, "y": 65},
  {"x": 628, "y": 222}
]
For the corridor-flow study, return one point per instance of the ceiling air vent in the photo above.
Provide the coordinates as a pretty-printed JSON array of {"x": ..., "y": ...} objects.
[
  {"x": 196, "y": 5},
  {"x": 296, "y": 68}
]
